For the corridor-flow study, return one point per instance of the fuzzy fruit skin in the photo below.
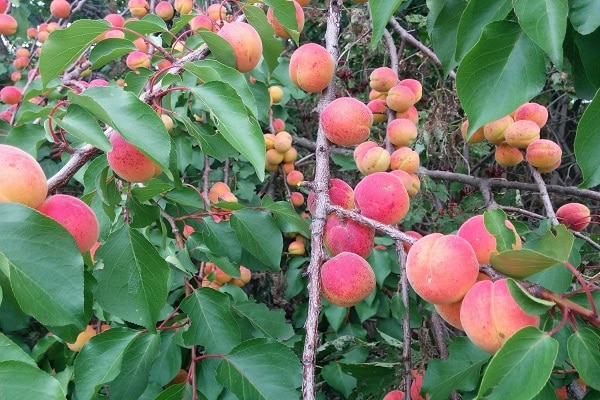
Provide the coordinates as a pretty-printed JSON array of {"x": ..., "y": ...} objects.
[
  {"x": 137, "y": 59},
  {"x": 411, "y": 181},
  {"x": 128, "y": 162},
  {"x": 401, "y": 132},
  {"x": 22, "y": 179},
  {"x": 575, "y": 216},
  {"x": 116, "y": 20},
  {"x": 347, "y": 279},
  {"x": 494, "y": 131},
  {"x": 545, "y": 155},
  {"x": 60, "y": 8},
  {"x": 507, "y": 156},
  {"x": 406, "y": 159},
  {"x": 311, "y": 67},
  {"x": 394, "y": 395},
  {"x": 379, "y": 110},
  {"x": 483, "y": 243},
  {"x": 410, "y": 114},
  {"x": 76, "y": 216},
  {"x": 521, "y": 134},
  {"x": 138, "y": 8},
  {"x": 165, "y": 10},
  {"x": 11, "y": 95},
  {"x": 400, "y": 98},
  {"x": 415, "y": 86},
  {"x": 340, "y": 194},
  {"x": 346, "y": 121},
  {"x": 382, "y": 197},
  {"x": 476, "y": 137},
  {"x": 8, "y": 25},
  {"x": 532, "y": 111},
  {"x": 376, "y": 159},
  {"x": 441, "y": 268},
  {"x": 490, "y": 315},
  {"x": 382, "y": 79},
  {"x": 246, "y": 43},
  {"x": 451, "y": 312},
  {"x": 278, "y": 28},
  {"x": 344, "y": 235}
]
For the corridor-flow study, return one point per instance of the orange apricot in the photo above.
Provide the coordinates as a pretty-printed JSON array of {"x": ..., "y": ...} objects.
[
  {"x": 246, "y": 43},
  {"x": 494, "y": 131},
  {"x": 60, "y": 8},
  {"x": 128, "y": 162},
  {"x": 483, "y": 243},
  {"x": 311, "y": 67},
  {"x": 401, "y": 132},
  {"x": 545, "y": 155},
  {"x": 345, "y": 235},
  {"x": 575, "y": 216},
  {"x": 532, "y": 111},
  {"x": 507, "y": 156},
  {"x": 382, "y": 196},
  {"x": 278, "y": 28},
  {"x": 382, "y": 79},
  {"x": 346, "y": 121},
  {"x": 521, "y": 133},
  {"x": 22, "y": 179},
  {"x": 400, "y": 98}
]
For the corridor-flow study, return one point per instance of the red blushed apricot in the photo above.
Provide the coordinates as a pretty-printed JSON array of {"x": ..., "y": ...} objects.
[
  {"x": 282, "y": 142},
  {"x": 137, "y": 59},
  {"x": 3, "y": 6},
  {"x": 400, "y": 98},
  {"x": 76, "y": 216},
  {"x": 201, "y": 22},
  {"x": 311, "y": 67},
  {"x": 379, "y": 110},
  {"x": 507, "y": 156},
  {"x": 296, "y": 248},
  {"x": 10, "y": 95},
  {"x": 413, "y": 234},
  {"x": 405, "y": 159},
  {"x": 401, "y": 132},
  {"x": 394, "y": 395},
  {"x": 165, "y": 10},
  {"x": 340, "y": 194},
  {"x": 138, "y": 8},
  {"x": 489, "y": 315},
  {"x": 8, "y": 25},
  {"x": 476, "y": 137},
  {"x": 346, "y": 121},
  {"x": 441, "y": 268},
  {"x": 451, "y": 312},
  {"x": 278, "y": 28},
  {"x": 521, "y": 134},
  {"x": 294, "y": 178},
  {"x": 116, "y": 20},
  {"x": 410, "y": 114},
  {"x": 278, "y": 125},
  {"x": 344, "y": 235},
  {"x": 494, "y": 131},
  {"x": 60, "y": 8},
  {"x": 216, "y": 190},
  {"x": 575, "y": 216},
  {"x": 347, "y": 279},
  {"x": 413, "y": 85},
  {"x": 22, "y": 179},
  {"x": 483, "y": 243},
  {"x": 297, "y": 199},
  {"x": 376, "y": 159},
  {"x": 545, "y": 155},
  {"x": 382, "y": 79},
  {"x": 382, "y": 196},
  {"x": 532, "y": 111},
  {"x": 128, "y": 162},
  {"x": 246, "y": 44},
  {"x": 361, "y": 150},
  {"x": 21, "y": 62}
]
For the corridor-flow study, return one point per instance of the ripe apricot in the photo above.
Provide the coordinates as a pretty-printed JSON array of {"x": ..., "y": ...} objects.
[
  {"x": 413, "y": 85},
  {"x": 405, "y": 159},
  {"x": 138, "y": 8},
  {"x": 278, "y": 28},
  {"x": 532, "y": 111},
  {"x": 441, "y": 268},
  {"x": 216, "y": 190},
  {"x": 382, "y": 197},
  {"x": 8, "y": 25},
  {"x": 22, "y": 179},
  {"x": 296, "y": 248},
  {"x": 401, "y": 132},
  {"x": 341, "y": 235},
  {"x": 494, "y": 131},
  {"x": 60, "y": 8},
  {"x": 394, "y": 395},
  {"x": 76, "y": 216},
  {"x": 137, "y": 59},
  {"x": 451, "y": 312},
  {"x": 3, "y": 6},
  {"x": 411, "y": 182},
  {"x": 507, "y": 156},
  {"x": 375, "y": 159},
  {"x": 278, "y": 125},
  {"x": 311, "y": 67},
  {"x": 382, "y": 79},
  {"x": 294, "y": 178},
  {"x": 346, "y": 121},
  {"x": 575, "y": 216},
  {"x": 410, "y": 114},
  {"x": 165, "y": 10},
  {"x": 11, "y": 95},
  {"x": 379, "y": 110},
  {"x": 340, "y": 194},
  {"x": 290, "y": 156},
  {"x": 116, "y": 20},
  {"x": 483, "y": 243},
  {"x": 545, "y": 155},
  {"x": 274, "y": 157},
  {"x": 201, "y": 22},
  {"x": 521, "y": 133},
  {"x": 216, "y": 12},
  {"x": 246, "y": 43},
  {"x": 297, "y": 199},
  {"x": 183, "y": 6},
  {"x": 275, "y": 93},
  {"x": 282, "y": 142},
  {"x": 347, "y": 279},
  {"x": 476, "y": 137},
  {"x": 400, "y": 98},
  {"x": 128, "y": 162},
  {"x": 489, "y": 315}
]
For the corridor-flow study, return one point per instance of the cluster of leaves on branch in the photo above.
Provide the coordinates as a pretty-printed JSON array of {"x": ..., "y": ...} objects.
[{"x": 195, "y": 199}]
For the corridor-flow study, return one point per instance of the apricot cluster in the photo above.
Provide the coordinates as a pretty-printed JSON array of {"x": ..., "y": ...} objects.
[{"x": 215, "y": 277}]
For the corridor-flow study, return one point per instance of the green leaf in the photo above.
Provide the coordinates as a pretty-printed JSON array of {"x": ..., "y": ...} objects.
[
  {"x": 108, "y": 50},
  {"x": 586, "y": 64},
  {"x": 63, "y": 46},
  {"x": 272, "y": 46},
  {"x": 477, "y": 14},
  {"x": 182, "y": 391},
  {"x": 557, "y": 244},
  {"x": 337, "y": 379},
  {"x": 381, "y": 12},
  {"x": 444, "y": 26},
  {"x": 22, "y": 380},
  {"x": 133, "y": 283},
  {"x": 249, "y": 371},
  {"x": 81, "y": 124},
  {"x": 531, "y": 305},
  {"x": 212, "y": 322},
  {"x": 212, "y": 70},
  {"x": 285, "y": 13},
  {"x": 584, "y": 15},
  {"x": 135, "y": 120},
  {"x": 370, "y": 376},
  {"x": 167, "y": 364},
  {"x": 495, "y": 223},
  {"x": 521, "y": 367},
  {"x": 271, "y": 323},
  {"x": 135, "y": 367},
  {"x": 521, "y": 263},
  {"x": 27, "y": 137},
  {"x": 286, "y": 217},
  {"x": 502, "y": 71},
  {"x": 210, "y": 144},
  {"x": 241, "y": 130},
  {"x": 259, "y": 235},
  {"x": 586, "y": 140},
  {"x": 12, "y": 352},
  {"x": 219, "y": 47},
  {"x": 100, "y": 360},
  {"x": 545, "y": 22},
  {"x": 584, "y": 351},
  {"x": 460, "y": 372},
  {"x": 150, "y": 23},
  {"x": 46, "y": 267}
]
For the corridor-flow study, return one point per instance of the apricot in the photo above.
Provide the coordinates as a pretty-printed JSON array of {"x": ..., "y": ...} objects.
[
  {"x": 441, "y": 268},
  {"x": 137, "y": 59},
  {"x": 128, "y": 162},
  {"x": 376, "y": 159},
  {"x": 269, "y": 141},
  {"x": 405, "y": 159},
  {"x": 374, "y": 95},
  {"x": 382, "y": 79},
  {"x": 15, "y": 76},
  {"x": 490, "y": 315},
  {"x": 476, "y": 137},
  {"x": 138, "y": 8},
  {"x": 533, "y": 112},
  {"x": 168, "y": 121},
  {"x": 201, "y": 22},
  {"x": 245, "y": 276},
  {"x": 165, "y": 10},
  {"x": 278, "y": 28},
  {"x": 8, "y": 25},
  {"x": 379, "y": 110},
  {"x": 216, "y": 190},
  {"x": 11, "y": 95},
  {"x": 451, "y": 312},
  {"x": 413, "y": 85},
  {"x": 382, "y": 196},
  {"x": 183, "y": 6},
  {"x": 347, "y": 279},
  {"x": 116, "y": 20},
  {"x": 545, "y": 155},
  {"x": 278, "y": 125},
  {"x": 60, "y": 8},
  {"x": 507, "y": 156},
  {"x": 340, "y": 194},
  {"x": 361, "y": 150},
  {"x": 76, "y": 216},
  {"x": 296, "y": 248},
  {"x": 410, "y": 114},
  {"x": 21, "y": 62},
  {"x": 290, "y": 156},
  {"x": 282, "y": 142},
  {"x": 22, "y": 179},
  {"x": 275, "y": 93},
  {"x": 311, "y": 67},
  {"x": 82, "y": 338},
  {"x": 3, "y": 6},
  {"x": 401, "y": 132},
  {"x": 287, "y": 167},
  {"x": 246, "y": 43},
  {"x": 346, "y": 121},
  {"x": 394, "y": 395},
  {"x": 575, "y": 216},
  {"x": 521, "y": 133},
  {"x": 115, "y": 34},
  {"x": 216, "y": 12},
  {"x": 294, "y": 178},
  {"x": 483, "y": 243},
  {"x": 494, "y": 131},
  {"x": 297, "y": 199},
  {"x": 228, "y": 197},
  {"x": 411, "y": 181},
  {"x": 344, "y": 235},
  {"x": 400, "y": 98},
  {"x": 219, "y": 276},
  {"x": 32, "y": 33},
  {"x": 274, "y": 157},
  {"x": 413, "y": 234}
]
